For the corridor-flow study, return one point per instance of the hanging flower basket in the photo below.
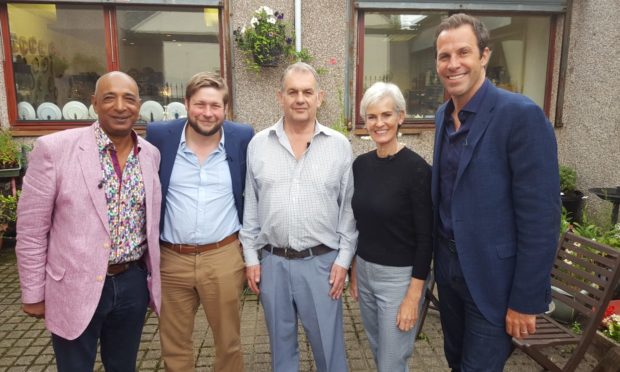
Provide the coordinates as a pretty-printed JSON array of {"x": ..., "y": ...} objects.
[{"x": 266, "y": 42}]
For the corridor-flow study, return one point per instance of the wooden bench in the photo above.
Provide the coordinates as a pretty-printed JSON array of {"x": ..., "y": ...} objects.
[{"x": 589, "y": 273}]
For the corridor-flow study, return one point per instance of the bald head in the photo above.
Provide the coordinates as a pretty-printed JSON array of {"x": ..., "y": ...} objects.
[{"x": 117, "y": 103}]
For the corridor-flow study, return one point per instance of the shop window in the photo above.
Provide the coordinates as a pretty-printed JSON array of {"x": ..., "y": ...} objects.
[
  {"x": 58, "y": 51},
  {"x": 399, "y": 47}
]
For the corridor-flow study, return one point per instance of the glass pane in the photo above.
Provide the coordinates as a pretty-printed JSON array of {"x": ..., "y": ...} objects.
[
  {"x": 399, "y": 48},
  {"x": 58, "y": 52},
  {"x": 520, "y": 46},
  {"x": 162, "y": 49}
]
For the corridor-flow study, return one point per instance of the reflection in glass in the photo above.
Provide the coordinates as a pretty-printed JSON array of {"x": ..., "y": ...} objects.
[
  {"x": 400, "y": 48},
  {"x": 58, "y": 54},
  {"x": 162, "y": 49}
]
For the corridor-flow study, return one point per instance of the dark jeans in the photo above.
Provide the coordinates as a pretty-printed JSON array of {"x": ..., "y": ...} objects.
[
  {"x": 117, "y": 323},
  {"x": 471, "y": 342}
]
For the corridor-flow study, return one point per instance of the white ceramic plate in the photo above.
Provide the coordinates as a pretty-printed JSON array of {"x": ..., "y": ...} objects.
[
  {"x": 151, "y": 111},
  {"x": 75, "y": 110},
  {"x": 176, "y": 110},
  {"x": 25, "y": 111},
  {"x": 91, "y": 112},
  {"x": 48, "y": 111}
]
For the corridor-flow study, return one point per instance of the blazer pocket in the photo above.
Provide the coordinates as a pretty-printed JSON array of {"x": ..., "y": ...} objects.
[
  {"x": 56, "y": 273},
  {"x": 506, "y": 250}
]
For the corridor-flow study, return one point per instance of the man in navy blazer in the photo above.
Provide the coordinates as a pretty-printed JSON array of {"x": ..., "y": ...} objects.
[
  {"x": 202, "y": 172},
  {"x": 495, "y": 188}
]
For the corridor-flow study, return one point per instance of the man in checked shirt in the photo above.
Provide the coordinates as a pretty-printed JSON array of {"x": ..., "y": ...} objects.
[
  {"x": 88, "y": 233},
  {"x": 298, "y": 216}
]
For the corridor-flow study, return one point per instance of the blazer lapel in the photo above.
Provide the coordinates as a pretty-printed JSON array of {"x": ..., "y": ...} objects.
[
  {"x": 146, "y": 167},
  {"x": 439, "y": 129},
  {"x": 91, "y": 171},
  {"x": 480, "y": 125}
]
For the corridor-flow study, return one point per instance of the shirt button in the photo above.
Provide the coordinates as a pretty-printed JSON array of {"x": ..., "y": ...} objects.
[{"x": 100, "y": 278}]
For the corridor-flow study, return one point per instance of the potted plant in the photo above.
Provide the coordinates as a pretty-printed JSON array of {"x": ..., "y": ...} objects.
[
  {"x": 572, "y": 199},
  {"x": 266, "y": 42},
  {"x": 10, "y": 155}
]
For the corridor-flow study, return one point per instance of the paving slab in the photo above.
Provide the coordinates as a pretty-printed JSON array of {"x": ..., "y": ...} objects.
[{"x": 25, "y": 344}]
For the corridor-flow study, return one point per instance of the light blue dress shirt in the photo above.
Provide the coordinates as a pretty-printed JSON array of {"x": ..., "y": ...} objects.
[{"x": 200, "y": 206}]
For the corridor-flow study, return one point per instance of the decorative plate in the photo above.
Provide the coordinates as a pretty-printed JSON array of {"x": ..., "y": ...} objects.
[
  {"x": 25, "y": 111},
  {"x": 49, "y": 111},
  {"x": 176, "y": 110},
  {"x": 151, "y": 111},
  {"x": 75, "y": 110},
  {"x": 23, "y": 45},
  {"x": 91, "y": 113}
]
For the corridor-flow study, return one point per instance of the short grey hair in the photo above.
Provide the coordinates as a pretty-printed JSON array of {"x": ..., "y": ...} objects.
[
  {"x": 299, "y": 67},
  {"x": 379, "y": 91}
]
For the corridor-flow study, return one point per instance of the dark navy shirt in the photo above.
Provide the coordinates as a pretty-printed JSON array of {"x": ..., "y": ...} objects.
[{"x": 452, "y": 143}]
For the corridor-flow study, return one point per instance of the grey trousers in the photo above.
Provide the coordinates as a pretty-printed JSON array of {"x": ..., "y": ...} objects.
[
  {"x": 299, "y": 289},
  {"x": 381, "y": 291}
]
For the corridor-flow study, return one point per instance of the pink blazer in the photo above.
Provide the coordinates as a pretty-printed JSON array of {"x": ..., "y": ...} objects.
[{"x": 63, "y": 236}]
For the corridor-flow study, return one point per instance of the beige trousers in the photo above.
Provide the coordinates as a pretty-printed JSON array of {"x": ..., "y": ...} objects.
[{"x": 214, "y": 279}]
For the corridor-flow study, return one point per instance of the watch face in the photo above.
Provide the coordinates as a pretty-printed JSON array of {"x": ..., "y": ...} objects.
[{"x": 32, "y": 45}]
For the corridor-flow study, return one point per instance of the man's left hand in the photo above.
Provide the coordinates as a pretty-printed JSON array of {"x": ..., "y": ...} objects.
[
  {"x": 336, "y": 279},
  {"x": 519, "y": 325}
]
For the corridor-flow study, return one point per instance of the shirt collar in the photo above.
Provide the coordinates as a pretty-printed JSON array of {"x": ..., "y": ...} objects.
[
  {"x": 474, "y": 103},
  {"x": 278, "y": 129},
  {"x": 105, "y": 143}
]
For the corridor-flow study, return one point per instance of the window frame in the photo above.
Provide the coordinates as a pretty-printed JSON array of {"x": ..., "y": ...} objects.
[
  {"x": 416, "y": 126},
  {"x": 38, "y": 127}
]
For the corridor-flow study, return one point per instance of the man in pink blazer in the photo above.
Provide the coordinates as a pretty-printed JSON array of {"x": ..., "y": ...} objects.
[{"x": 88, "y": 233}]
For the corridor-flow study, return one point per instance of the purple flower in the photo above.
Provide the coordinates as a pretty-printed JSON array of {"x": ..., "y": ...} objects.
[
  {"x": 289, "y": 40},
  {"x": 280, "y": 15}
]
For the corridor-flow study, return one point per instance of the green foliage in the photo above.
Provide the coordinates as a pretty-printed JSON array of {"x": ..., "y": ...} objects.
[
  {"x": 10, "y": 150},
  {"x": 606, "y": 234},
  {"x": 568, "y": 179},
  {"x": 576, "y": 328},
  {"x": 341, "y": 124},
  {"x": 267, "y": 42},
  {"x": 8, "y": 210},
  {"x": 564, "y": 222}
]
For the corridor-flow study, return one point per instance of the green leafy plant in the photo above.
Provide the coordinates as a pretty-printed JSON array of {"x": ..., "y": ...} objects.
[
  {"x": 341, "y": 125},
  {"x": 568, "y": 179},
  {"x": 576, "y": 328},
  {"x": 10, "y": 150},
  {"x": 8, "y": 210},
  {"x": 266, "y": 41}
]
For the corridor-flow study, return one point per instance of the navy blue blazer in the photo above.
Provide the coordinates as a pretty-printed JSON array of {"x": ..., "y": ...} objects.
[
  {"x": 166, "y": 136},
  {"x": 506, "y": 204}
]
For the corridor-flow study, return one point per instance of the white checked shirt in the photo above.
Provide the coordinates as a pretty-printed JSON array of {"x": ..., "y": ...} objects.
[{"x": 299, "y": 204}]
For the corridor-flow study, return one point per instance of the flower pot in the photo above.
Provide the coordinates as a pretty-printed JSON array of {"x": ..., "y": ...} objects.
[
  {"x": 572, "y": 201},
  {"x": 559, "y": 311}
]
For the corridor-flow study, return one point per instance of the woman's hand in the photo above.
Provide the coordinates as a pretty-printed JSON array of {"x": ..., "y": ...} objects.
[{"x": 408, "y": 312}]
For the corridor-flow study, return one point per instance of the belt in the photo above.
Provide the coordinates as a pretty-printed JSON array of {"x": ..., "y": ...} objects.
[
  {"x": 198, "y": 248},
  {"x": 119, "y": 268},
  {"x": 291, "y": 254},
  {"x": 448, "y": 243}
]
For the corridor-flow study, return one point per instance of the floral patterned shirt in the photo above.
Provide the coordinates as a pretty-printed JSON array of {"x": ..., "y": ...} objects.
[{"x": 125, "y": 198}]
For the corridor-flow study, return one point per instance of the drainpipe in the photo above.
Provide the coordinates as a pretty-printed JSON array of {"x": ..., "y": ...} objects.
[
  {"x": 298, "y": 25},
  {"x": 559, "y": 108}
]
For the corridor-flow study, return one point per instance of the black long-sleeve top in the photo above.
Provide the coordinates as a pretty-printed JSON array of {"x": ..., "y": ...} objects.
[{"x": 393, "y": 208}]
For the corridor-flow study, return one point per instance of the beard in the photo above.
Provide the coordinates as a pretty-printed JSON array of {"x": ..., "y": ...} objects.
[{"x": 208, "y": 133}]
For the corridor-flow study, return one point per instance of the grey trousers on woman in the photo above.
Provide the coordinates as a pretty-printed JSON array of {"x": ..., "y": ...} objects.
[{"x": 381, "y": 290}]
